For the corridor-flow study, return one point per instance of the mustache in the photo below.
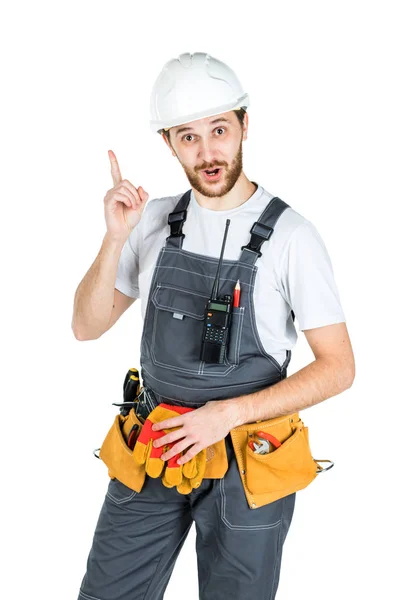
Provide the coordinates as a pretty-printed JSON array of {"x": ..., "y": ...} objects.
[{"x": 210, "y": 168}]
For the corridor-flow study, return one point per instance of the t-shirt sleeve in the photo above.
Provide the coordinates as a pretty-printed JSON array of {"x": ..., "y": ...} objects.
[
  {"x": 307, "y": 279},
  {"x": 127, "y": 280}
]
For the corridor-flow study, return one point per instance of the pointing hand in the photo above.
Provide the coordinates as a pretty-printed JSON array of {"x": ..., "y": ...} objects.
[{"x": 123, "y": 203}]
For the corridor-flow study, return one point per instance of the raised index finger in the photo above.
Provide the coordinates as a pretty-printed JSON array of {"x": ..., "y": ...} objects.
[{"x": 115, "y": 172}]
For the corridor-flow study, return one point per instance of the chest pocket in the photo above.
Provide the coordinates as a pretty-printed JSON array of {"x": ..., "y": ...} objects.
[{"x": 177, "y": 332}]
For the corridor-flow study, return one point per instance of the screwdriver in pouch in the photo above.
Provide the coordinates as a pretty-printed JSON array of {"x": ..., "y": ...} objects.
[
  {"x": 131, "y": 384},
  {"x": 132, "y": 436},
  {"x": 131, "y": 390}
]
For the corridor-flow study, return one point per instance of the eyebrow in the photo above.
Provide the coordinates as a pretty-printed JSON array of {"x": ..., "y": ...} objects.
[{"x": 219, "y": 120}]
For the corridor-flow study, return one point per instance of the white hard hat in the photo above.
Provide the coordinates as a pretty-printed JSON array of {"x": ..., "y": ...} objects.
[{"x": 191, "y": 87}]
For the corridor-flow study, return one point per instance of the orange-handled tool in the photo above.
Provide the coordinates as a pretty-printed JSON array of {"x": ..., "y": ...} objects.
[{"x": 271, "y": 438}]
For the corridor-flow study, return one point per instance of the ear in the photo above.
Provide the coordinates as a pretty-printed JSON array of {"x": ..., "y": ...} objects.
[
  {"x": 245, "y": 125},
  {"x": 167, "y": 142}
]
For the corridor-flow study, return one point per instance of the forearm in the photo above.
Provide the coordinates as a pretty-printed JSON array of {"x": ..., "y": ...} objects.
[
  {"x": 94, "y": 296},
  {"x": 321, "y": 379}
]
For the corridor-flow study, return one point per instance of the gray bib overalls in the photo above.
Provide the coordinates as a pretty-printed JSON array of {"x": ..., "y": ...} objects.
[{"x": 139, "y": 535}]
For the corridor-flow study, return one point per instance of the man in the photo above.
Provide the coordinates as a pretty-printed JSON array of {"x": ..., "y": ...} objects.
[{"x": 283, "y": 268}]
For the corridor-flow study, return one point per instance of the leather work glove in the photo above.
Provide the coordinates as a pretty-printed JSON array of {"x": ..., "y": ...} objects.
[
  {"x": 185, "y": 476},
  {"x": 192, "y": 472}
]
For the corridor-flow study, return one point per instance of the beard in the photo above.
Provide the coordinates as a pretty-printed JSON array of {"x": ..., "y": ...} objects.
[{"x": 229, "y": 177}]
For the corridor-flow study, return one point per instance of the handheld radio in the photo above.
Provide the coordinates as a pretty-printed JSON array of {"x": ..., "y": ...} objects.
[{"x": 217, "y": 320}]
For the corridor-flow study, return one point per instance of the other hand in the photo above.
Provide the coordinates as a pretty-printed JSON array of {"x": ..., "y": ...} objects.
[{"x": 197, "y": 429}]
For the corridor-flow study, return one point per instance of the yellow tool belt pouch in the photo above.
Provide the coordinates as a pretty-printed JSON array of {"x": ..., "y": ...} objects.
[
  {"x": 117, "y": 455},
  {"x": 285, "y": 469},
  {"x": 216, "y": 461}
]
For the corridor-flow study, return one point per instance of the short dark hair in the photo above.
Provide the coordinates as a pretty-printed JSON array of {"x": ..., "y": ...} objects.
[{"x": 240, "y": 112}]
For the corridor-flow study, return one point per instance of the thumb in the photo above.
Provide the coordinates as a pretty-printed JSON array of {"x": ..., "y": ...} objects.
[{"x": 143, "y": 195}]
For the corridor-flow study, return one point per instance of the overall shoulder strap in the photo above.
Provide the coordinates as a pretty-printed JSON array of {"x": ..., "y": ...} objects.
[
  {"x": 262, "y": 230},
  {"x": 176, "y": 219}
]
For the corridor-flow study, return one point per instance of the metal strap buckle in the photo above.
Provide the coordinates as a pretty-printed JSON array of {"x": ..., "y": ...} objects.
[
  {"x": 259, "y": 233},
  {"x": 176, "y": 221}
]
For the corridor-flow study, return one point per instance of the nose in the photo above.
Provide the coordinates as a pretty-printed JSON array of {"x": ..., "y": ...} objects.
[{"x": 207, "y": 153}]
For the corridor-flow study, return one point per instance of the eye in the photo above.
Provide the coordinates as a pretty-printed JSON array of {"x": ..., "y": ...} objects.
[{"x": 184, "y": 138}]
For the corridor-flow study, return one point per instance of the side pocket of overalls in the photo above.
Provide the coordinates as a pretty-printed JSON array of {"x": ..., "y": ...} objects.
[
  {"x": 116, "y": 454},
  {"x": 285, "y": 469},
  {"x": 235, "y": 335}
]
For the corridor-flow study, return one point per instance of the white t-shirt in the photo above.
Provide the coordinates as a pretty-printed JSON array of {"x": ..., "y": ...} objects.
[{"x": 294, "y": 271}]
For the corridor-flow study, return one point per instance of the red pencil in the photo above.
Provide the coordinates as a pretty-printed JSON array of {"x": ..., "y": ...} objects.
[{"x": 236, "y": 295}]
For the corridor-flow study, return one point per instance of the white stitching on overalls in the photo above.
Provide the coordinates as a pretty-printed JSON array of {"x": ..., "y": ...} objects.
[
  {"x": 239, "y": 330},
  {"x": 146, "y": 318},
  {"x": 267, "y": 380},
  {"x": 254, "y": 330},
  {"x": 81, "y": 593},
  {"x": 230, "y": 525},
  {"x": 171, "y": 287},
  {"x": 189, "y": 371},
  {"x": 214, "y": 261},
  {"x": 180, "y": 289},
  {"x": 204, "y": 275},
  {"x": 120, "y": 500},
  {"x": 278, "y": 551}
]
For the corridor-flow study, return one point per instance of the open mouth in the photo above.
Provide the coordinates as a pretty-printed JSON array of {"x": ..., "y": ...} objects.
[{"x": 212, "y": 175}]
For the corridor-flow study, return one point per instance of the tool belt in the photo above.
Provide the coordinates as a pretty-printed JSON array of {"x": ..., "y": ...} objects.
[
  {"x": 287, "y": 467},
  {"x": 117, "y": 456}
]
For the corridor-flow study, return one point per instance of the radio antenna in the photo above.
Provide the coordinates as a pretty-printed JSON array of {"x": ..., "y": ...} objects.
[{"x": 214, "y": 293}]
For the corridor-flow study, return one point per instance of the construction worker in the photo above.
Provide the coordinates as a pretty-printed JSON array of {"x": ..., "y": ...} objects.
[{"x": 168, "y": 252}]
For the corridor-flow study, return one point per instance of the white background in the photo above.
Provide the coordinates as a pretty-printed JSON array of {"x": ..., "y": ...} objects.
[{"x": 323, "y": 135}]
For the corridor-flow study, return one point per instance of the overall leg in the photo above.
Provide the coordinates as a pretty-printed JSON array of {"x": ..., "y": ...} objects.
[
  {"x": 239, "y": 550},
  {"x": 136, "y": 542}
]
